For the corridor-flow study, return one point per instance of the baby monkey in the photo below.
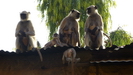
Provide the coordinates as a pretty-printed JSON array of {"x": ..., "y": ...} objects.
[
  {"x": 70, "y": 56},
  {"x": 55, "y": 41}
]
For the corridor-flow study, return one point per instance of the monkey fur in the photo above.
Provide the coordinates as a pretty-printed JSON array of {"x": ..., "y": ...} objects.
[
  {"x": 70, "y": 56},
  {"x": 25, "y": 35},
  {"x": 54, "y": 41},
  {"x": 69, "y": 29},
  {"x": 94, "y": 29}
]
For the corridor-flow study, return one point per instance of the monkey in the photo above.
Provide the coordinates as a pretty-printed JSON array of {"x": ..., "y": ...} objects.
[
  {"x": 93, "y": 28},
  {"x": 54, "y": 41},
  {"x": 69, "y": 29},
  {"x": 25, "y": 35},
  {"x": 25, "y": 26},
  {"x": 70, "y": 56}
]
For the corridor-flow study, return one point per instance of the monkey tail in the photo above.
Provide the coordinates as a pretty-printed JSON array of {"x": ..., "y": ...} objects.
[
  {"x": 40, "y": 55},
  {"x": 108, "y": 38},
  {"x": 63, "y": 59},
  {"x": 72, "y": 66}
]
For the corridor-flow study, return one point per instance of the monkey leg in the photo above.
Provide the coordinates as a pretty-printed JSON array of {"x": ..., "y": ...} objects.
[
  {"x": 99, "y": 40},
  {"x": 57, "y": 42},
  {"x": 88, "y": 41},
  {"x": 18, "y": 46},
  {"x": 48, "y": 45},
  {"x": 73, "y": 39},
  {"x": 77, "y": 40},
  {"x": 66, "y": 39},
  {"x": 63, "y": 60},
  {"x": 17, "y": 43},
  {"x": 32, "y": 43}
]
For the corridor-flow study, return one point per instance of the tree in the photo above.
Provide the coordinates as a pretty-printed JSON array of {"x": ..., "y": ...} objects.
[
  {"x": 120, "y": 37},
  {"x": 56, "y": 10}
]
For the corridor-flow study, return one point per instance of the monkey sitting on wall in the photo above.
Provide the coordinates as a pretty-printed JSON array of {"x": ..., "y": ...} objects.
[
  {"x": 70, "y": 56},
  {"x": 94, "y": 29},
  {"x": 25, "y": 34},
  {"x": 54, "y": 41},
  {"x": 69, "y": 29}
]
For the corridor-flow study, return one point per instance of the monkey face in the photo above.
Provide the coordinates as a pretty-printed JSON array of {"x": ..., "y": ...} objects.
[
  {"x": 91, "y": 9},
  {"x": 24, "y": 15},
  {"x": 78, "y": 15},
  {"x": 75, "y": 13},
  {"x": 88, "y": 10},
  {"x": 55, "y": 35}
]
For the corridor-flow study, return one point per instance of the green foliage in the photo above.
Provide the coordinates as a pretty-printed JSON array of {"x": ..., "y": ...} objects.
[
  {"x": 120, "y": 37},
  {"x": 58, "y": 9}
]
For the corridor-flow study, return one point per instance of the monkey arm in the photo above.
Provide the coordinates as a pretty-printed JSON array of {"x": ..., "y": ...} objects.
[
  {"x": 76, "y": 30},
  {"x": 94, "y": 31},
  {"x": 17, "y": 29},
  {"x": 78, "y": 37},
  {"x": 100, "y": 26},
  {"x": 57, "y": 41},
  {"x": 85, "y": 29},
  {"x": 31, "y": 30},
  {"x": 50, "y": 44},
  {"x": 86, "y": 25},
  {"x": 61, "y": 28},
  {"x": 62, "y": 25}
]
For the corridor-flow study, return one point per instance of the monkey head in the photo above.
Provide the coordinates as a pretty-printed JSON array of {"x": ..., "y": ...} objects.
[
  {"x": 91, "y": 9},
  {"x": 55, "y": 35},
  {"x": 24, "y": 15},
  {"x": 75, "y": 14}
]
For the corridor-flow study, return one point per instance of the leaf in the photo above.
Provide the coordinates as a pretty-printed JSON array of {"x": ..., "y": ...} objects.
[
  {"x": 120, "y": 37},
  {"x": 58, "y": 9}
]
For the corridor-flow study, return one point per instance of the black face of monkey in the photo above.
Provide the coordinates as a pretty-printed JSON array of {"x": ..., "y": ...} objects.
[
  {"x": 23, "y": 16},
  {"x": 55, "y": 35},
  {"x": 77, "y": 13},
  {"x": 88, "y": 10},
  {"x": 91, "y": 9}
]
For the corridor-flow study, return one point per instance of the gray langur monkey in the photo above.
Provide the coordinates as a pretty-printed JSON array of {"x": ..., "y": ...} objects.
[
  {"x": 25, "y": 35},
  {"x": 69, "y": 29},
  {"x": 94, "y": 29},
  {"x": 70, "y": 56},
  {"x": 54, "y": 41}
]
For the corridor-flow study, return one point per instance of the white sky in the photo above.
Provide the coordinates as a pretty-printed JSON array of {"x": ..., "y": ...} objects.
[
  {"x": 9, "y": 17},
  {"x": 122, "y": 15}
]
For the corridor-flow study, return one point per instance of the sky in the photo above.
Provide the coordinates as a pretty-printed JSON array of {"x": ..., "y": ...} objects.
[
  {"x": 121, "y": 15},
  {"x": 9, "y": 17}
]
